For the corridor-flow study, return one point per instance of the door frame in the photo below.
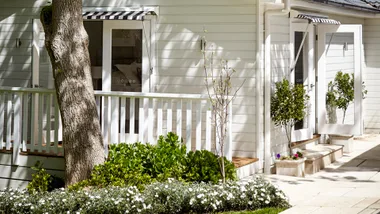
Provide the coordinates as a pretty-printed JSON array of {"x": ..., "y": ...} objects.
[
  {"x": 148, "y": 50},
  {"x": 339, "y": 129},
  {"x": 309, "y": 52},
  {"x": 148, "y": 26}
]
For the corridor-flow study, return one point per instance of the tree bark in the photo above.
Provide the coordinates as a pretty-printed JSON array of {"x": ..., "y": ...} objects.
[{"x": 67, "y": 44}]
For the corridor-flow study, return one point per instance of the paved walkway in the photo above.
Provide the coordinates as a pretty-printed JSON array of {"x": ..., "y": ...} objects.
[{"x": 349, "y": 186}]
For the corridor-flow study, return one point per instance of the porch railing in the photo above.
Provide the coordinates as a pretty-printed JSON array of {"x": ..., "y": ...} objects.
[{"x": 30, "y": 121}]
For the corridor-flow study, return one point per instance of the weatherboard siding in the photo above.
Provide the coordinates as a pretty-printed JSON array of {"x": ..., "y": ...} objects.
[
  {"x": 371, "y": 75},
  {"x": 229, "y": 26}
]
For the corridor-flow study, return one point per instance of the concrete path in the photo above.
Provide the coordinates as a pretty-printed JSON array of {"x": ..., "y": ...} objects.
[{"x": 349, "y": 186}]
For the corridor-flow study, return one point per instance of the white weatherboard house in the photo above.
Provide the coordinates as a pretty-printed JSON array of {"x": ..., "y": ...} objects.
[{"x": 147, "y": 68}]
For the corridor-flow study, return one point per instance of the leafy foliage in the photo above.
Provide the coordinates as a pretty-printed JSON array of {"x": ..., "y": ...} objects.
[
  {"x": 165, "y": 197},
  {"x": 140, "y": 164},
  {"x": 40, "y": 180},
  {"x": 288, "y": 105},
  {"x": 340, "y": 92},
  {"x": 205, "y": 166}
]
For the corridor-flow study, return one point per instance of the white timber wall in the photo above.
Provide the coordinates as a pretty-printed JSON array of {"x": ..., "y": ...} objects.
[
  {"x": 19, "y": 176},
  {"x": 231, "y": 31},
  {"x": 280, "y": 64},
  {"x": 371, "y": 75}
]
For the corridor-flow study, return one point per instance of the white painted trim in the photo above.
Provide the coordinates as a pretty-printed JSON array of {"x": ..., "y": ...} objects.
[
  {"x": 267, "y": 82},
  {"x": 114, "y": 93},
  {"x": 342, "y": 129},
  {"x": 306, "y": 133},
  {"x": 259, "y": 107}
]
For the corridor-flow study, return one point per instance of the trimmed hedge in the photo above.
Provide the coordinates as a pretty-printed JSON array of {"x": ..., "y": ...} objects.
[{"x": 167, "y": 197}]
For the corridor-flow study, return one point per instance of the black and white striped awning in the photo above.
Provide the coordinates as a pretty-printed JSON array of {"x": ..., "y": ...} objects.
[
  {"x": 318, "y": 19},
  {"x": 117, "y": 15}
]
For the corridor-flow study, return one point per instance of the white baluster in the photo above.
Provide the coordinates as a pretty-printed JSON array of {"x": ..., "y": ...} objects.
[
  {"x": 179, "y": 119},
  {"x": 208, "y": 126},
  {"x": 132, "y": 119},
  {"x": 159, "y": 117},
  {"x": 17, "y": 133},
  {"x": 114, "y": 131},
  {"x": 122, "y": 119},
  {"x": 48, "y": 123},
  {"x": 169, "y": 116},
  {"x": 25, "y": 119},
  {"x": 9, "y": 122},
  {"x": 198, "y": 141},
  {"x": 40, "y": 121},
  {"x": 189, "y": 113},
  {"x": 2, "y": 123},
  {"x": 150, "y": 122}
]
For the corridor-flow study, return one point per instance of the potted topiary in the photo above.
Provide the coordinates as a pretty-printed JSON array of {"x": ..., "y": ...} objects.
[
  {"x": 340, "y": 95},
  {"x": 288, "y": 106}
]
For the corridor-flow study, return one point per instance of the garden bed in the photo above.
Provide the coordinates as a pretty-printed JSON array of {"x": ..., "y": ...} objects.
[{"x": 165, "y": 197}]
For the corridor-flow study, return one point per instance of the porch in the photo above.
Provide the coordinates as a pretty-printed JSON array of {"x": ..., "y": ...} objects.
[{"x": 30, "y": 122}]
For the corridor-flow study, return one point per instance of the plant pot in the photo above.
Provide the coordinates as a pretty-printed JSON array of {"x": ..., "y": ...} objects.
[
  {"x": 347, "y": 141},
  {"x": 291, "y": 167}
]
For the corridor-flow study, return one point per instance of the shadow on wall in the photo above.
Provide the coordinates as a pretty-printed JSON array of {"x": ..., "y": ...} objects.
[
  {"x": 179, "y": 57},
  {"x": 180, "y": 60}
]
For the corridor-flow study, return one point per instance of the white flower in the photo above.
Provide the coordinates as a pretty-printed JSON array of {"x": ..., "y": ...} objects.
[
  {"x": 192, "y": 200},
  {"x": 190, "y": 189},
  {"x": 250, "y": 202},
  {"x": 214, "y": 206},
  {"x": 166, "y": 186},
  {"x": 64, "y": 200},
  {"x": 200, "y": 195},
  {"x": 267, "y": 202}
]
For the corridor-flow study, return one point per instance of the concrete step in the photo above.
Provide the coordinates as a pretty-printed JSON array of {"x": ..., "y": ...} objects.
[{"x": 320, "y": 156}]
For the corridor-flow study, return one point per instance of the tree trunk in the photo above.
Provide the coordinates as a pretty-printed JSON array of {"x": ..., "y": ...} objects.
[{"x": 67, "y": 44}]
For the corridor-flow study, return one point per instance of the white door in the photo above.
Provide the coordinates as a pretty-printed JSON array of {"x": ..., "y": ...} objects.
[
  {"x": 339, "y": 50},
  {"x": 127, "y": 66},
  {"x": 303, "y": 72}
]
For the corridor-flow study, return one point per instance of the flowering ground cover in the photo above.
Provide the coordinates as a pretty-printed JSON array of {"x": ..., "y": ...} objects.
[{"x": 164, "y": 197}]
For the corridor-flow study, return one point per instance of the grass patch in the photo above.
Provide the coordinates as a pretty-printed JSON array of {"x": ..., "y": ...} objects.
[{"x": 261, "y": 211}]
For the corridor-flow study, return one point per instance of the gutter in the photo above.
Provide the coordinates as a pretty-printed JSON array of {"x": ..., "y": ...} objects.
[
  {"x": 330, "y": 9},
  {"x": 267, "y": 82},
  {"x": 350, "y": 6}
]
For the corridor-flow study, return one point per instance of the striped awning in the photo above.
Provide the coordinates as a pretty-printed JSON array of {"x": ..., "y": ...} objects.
[
  {"x": 117, "y": 15},
  {"x": 318, "y": 19}
]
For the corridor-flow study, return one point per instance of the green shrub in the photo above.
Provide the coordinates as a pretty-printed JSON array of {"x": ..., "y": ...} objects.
[
  {"x": 124, "y": 167},
  {"x": 43, "y": 181},
  {"x": 40, "y": 180},
  {"x": 166, "y": 197},
  {"x": 140, "y": 164},
  {"x": 168, "y": 158},
  {"x": 205, "y": 166}
]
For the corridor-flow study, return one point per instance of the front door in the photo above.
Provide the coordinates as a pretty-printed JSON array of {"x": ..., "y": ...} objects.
[
  {"x": 303, "y": 73},
  {"x": 339, "y": 69}
]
